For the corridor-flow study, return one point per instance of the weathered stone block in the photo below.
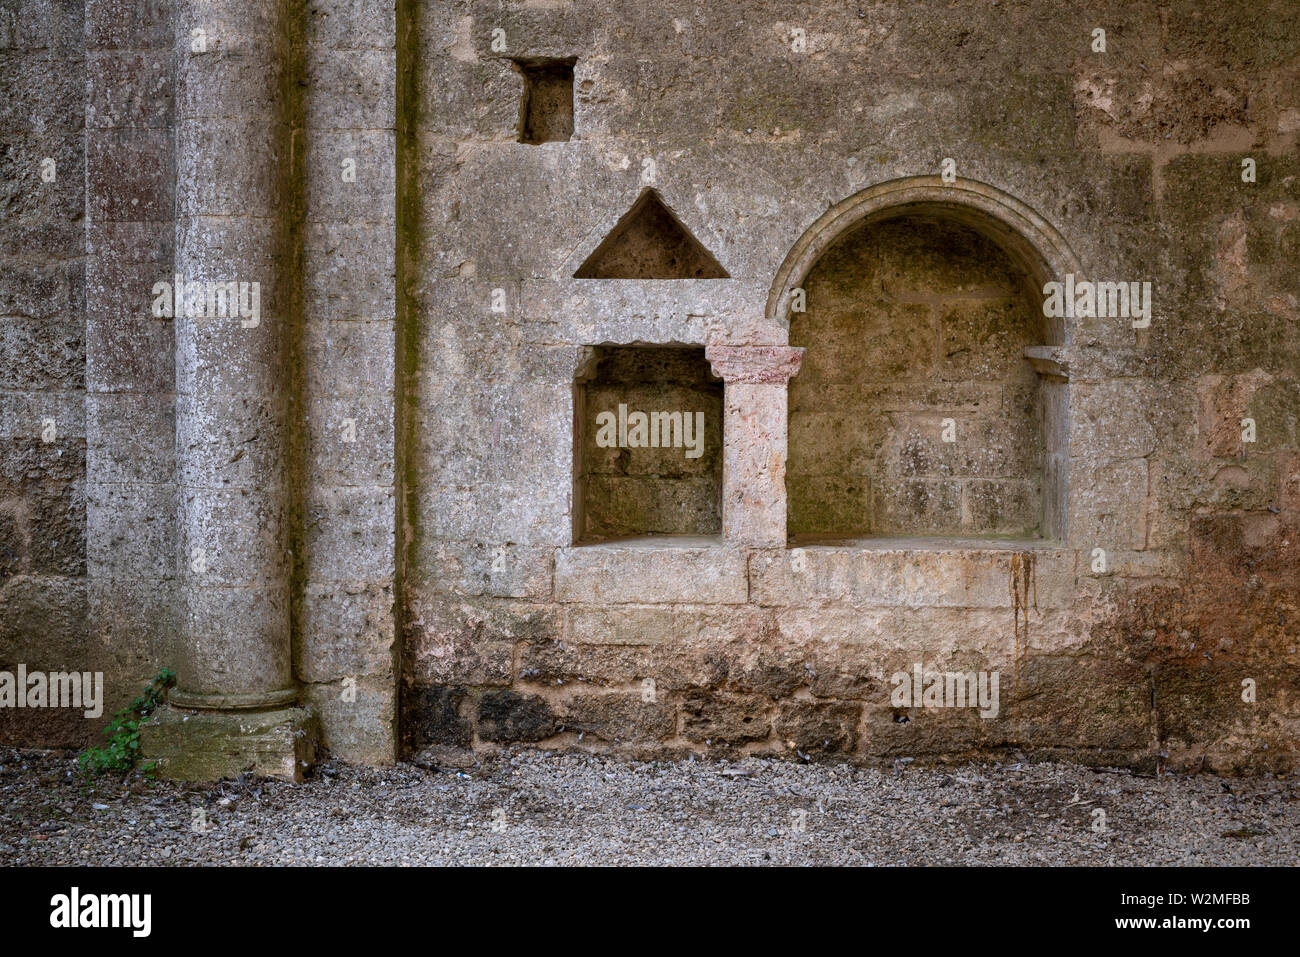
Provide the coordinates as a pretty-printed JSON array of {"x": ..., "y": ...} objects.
[
  {"x": 996, "y": 507},
  {"x": 229, "y": 538},
  {"x": 896, "y": 573},
  {"x": 128, "y": 175},
  {"x": 344, "y": 25},
  {"x": 831, "y": 505},
  {"x": 58, "y": 521},
  {"x": 350, "y": 441},
  {"x": 357, "y": 87},
  {"x": 480, "y": 568},
  {"x": 348, "y": 534},
  {"x": 258, "y": 663},
  {"x": 1112, "y": 421},
  {"x": 650, "y": 574},
  {"x": 345, "y": 631},
  {"x": 508, "y": 717},
  {"x": 552, "y": 662},
  {"x": 222, "y": 360},
  {"x": 357, "y": 722},
  {"x": 1079, "y": 702},
  {"x": 224, "y": 184},
  {"x": 896, "y": 732},
  {"x": 657, "y": 310},
  {"x": 1108, "y": 503},
  {"x": 720, "y": 719},
  {"x": 686, "y": 626},
  {"x": 433, "y": 716},
  {"x": 129, "y": 90},
  {"x": 50, "y": 89},
  {"x": 521, "y": 512},
  {"x": 132, "y": 634},
  {"x": 42, "y": 355},
  {"x": 226, "y": 246},
  {"x": 815, "y": 727},
  {"x": 349, "y": 265},
  {"x": 619, "y": 717},
  {"x": 127, "y": 24},
  {"x": 472, "y": 644},
  {"x": 35, "y": 292},
  {"x": 917, "y": 507},
  {"x": 209, "y": 746},
  {"x": 350, "y": 357},
  {"x": 130, "y": 355},
  {"x": 133, "y": 438},
  {"x": 1221, "y": 405},
  {"x": 368, "y": 199},
  {"x": 133, "y": 531},
  {"x": 44, "y": 624}
]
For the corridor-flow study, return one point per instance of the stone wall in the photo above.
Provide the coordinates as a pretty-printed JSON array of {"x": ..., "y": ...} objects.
[
  {"x": 756, "y": 124},
  {"x": 132, "y": 532},
  {"x": 388, "y": 479},
  {"x": 43, "y": 356}
]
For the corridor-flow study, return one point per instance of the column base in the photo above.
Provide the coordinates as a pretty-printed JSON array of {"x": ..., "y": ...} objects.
[{"x": 211, "y": 745}]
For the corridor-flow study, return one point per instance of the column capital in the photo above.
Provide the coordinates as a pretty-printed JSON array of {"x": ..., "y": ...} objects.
[{"x": 769, "y": 364}]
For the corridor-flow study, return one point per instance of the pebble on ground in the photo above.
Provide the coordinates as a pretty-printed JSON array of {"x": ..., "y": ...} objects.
[{"x": 533, "y": 807}]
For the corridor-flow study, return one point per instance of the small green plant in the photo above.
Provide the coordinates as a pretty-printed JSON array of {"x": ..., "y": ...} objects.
[{"x": 123, "y": 732}]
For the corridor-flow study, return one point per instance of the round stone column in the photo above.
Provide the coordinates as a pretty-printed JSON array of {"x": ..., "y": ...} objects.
[{"x": 233, "y": 305}]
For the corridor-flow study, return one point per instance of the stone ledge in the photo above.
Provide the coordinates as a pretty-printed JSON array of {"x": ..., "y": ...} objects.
[
  {"x": 659, "y": 570},
  {"x": 898, "y": 574},
  {"x": 1091, "y": 363}
]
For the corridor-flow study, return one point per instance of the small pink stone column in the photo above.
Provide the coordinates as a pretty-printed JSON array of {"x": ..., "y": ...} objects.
[{"x": 754, "y": 429}]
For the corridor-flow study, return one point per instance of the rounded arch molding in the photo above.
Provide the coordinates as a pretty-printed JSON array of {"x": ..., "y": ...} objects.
[{"x": 1026, "y": 236}]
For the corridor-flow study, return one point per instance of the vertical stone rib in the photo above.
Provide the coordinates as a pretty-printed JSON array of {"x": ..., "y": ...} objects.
[
  {"x": 234, "y": 203},
  {"x": 755, "y": 422}
]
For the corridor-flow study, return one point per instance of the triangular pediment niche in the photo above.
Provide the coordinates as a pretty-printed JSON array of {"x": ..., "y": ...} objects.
[{"x": 649, "y": 242}]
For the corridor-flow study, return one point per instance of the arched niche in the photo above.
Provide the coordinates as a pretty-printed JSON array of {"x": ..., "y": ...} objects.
[{"x": 953, "y": 497}]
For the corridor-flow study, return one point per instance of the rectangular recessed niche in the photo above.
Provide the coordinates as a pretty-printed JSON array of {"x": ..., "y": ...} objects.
[
  {"x": 546, "y": 111},
  {"x": 648, "y": 444}
]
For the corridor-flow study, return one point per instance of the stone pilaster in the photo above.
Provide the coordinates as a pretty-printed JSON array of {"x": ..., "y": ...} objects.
[
  {"x": 236, "y": 207},
  {"x": 346, "y": 636},
  {"x": 754, "y": 426}
]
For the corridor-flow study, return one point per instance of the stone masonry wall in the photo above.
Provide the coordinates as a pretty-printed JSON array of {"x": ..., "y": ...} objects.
[
  {"x": 43, "y": 360},
  {"x": 130, "y": 239},
  {"x": 1171, "y": 575},
  {"x": 406, "y": 418}
]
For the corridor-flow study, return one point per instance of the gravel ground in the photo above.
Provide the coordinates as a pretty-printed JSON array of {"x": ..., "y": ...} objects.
[{"x": 529, "y": 807}]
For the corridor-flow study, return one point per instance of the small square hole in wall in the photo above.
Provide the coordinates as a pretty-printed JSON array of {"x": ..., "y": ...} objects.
[
  {"x": 648, "y": 444},
  {"x": 546, "y": 113}
]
